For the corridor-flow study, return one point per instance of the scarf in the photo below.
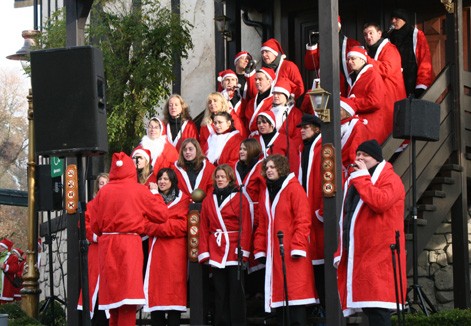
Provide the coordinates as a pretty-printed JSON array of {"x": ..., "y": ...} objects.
[
  {"x": 223, "y": 193},
  {"x": 274, "y": 186},
  {"x": 192, "y": 172},
  {"x": 372, "y": 49},
  {"x": 175, "y": 126},
  {"x": 305, "y": 158},
  {"x": 244, "y": 167},
  {"x": 403, "y": 40},
  {"x": 169, "y": 196},
  {"x": 274, "y": 65}
]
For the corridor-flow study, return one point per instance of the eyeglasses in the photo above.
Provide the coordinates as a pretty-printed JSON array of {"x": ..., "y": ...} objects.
[{"x": 153, "y": 127}]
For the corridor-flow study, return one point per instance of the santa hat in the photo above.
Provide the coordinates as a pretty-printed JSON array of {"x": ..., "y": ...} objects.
[
  {"x": 139, "y": 150},
  {"x": 6, "y": 243},
  {"x": 270, "y": 73},
  {"x": 122, "y": 167},
  {"x": 226, "y": 74},
  {"x": 283, "y": 86},
  {"x": 359, "y": 52},
  {"x": 348, "y": 105},
  {"x": 240, "y": 55},
  {"x": 18, "y": 252},
  {"x": 270, "y": 117},
  {"x": 272, "y": 46}
]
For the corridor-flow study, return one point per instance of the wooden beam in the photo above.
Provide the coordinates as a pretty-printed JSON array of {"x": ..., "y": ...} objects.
[{"x": 329, "y": 62}]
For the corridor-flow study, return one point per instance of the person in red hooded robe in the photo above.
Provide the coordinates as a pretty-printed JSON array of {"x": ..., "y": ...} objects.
[
  {"x": 273, "y": 57},
  {"x": 121, "y": 212}
]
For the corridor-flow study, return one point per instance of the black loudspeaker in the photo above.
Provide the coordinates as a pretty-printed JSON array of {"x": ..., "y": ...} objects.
[
  {"x": 69, "y": 102},
  {"x": 418, "y": 119},
  {"x": 48, "y": 189}
]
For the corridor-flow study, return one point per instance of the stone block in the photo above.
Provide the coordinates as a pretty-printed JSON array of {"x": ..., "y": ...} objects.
[
  {"x": 442, "y": 259},
  {"x": 444, "y": 296},
  {"x": 428, "y": 289},
  {"x": 437, "y": 241},
  {"x": 449, "y": 253},
  {"x": 448, "y": 238},
  {"x": 434, "y": 268},
  {"x": 444, "y": 228},
  {"x": 444, "y": 279}
]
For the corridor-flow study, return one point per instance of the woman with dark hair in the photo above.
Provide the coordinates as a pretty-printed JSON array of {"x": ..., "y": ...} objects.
[
  {"x": 165, "y": 285},
  {"x": 193, "y": 170},
  {"x": 284, "y": 207},
  {"x": 224, "y": 230},
  {"x": 223, "y": 146},
  {"x": 247, "y": 170},
  {"x": 179, "y": 124}
]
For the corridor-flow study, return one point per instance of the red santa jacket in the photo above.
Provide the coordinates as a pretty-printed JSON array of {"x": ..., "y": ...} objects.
[
  {"x": 93, "y": 262},
  {"x": 165, "y": 283},
  {"x": 314, "y": 196},
  {"x": 187, "y": 130},
  {"x": 287, "y": 126},
  {"x": 7, "y": 289},
  {"x": 121, "y": 212},
  {"x": 353, "y": 133},
  {"x": 387, "y": 62},
  {"x": 204, "y": 180},
  {"x": 208, "y": 130},
  {"x": 365, "y": 272},
  {"x": 253, "y": 110},
  {"x": 422, "y": 52},
  {"x": 251, "y": 187},
  {"x": 223, "y": 148},
  {"x": 311, "y": 61},
  {"x": 369, "y": 95},
  {"x": 289, "y": 213},
  {"x": 289, "y": 70},
  {"x": 219, "y": 230}
]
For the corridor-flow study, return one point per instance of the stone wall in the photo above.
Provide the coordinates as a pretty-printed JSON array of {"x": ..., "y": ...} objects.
[
  {"x": 435, "y": 267},
  {"x": 59, "y": 260}
]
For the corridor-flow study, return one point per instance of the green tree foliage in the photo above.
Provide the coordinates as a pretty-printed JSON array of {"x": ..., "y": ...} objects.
[{"x": 141, "y": 43}]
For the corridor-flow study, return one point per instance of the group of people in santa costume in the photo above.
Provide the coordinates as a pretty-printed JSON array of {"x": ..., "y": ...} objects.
[
  {"x": 12, "y": 263},
  {"x": 257, "y": 157}
]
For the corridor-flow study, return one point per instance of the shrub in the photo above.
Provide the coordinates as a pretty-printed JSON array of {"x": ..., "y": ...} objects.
[{"x": 455, "y": 317}]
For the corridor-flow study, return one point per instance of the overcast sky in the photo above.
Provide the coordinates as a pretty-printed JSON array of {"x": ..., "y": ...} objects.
[{"x": 12, "y": 23}]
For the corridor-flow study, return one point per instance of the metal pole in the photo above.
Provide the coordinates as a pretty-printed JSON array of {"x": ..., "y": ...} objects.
[{"x": 30, "y": 292}]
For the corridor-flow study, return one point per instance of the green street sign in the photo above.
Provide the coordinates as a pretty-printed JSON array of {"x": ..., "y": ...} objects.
[{"x": 57, "y": 167}]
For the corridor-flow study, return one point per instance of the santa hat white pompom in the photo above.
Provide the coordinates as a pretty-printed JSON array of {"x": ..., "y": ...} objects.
[{"x": 119, "y": 163}]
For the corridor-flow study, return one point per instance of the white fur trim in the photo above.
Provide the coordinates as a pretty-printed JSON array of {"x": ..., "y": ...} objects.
[{"x": 119, "y": 163}]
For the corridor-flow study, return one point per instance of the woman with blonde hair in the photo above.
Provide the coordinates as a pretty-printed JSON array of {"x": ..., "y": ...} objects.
[
  {"x": 178, "y": 121},
  {"x": 216, "y": 102}
]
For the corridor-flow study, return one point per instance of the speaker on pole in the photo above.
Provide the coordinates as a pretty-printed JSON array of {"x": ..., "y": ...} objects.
[
  {"x": 69, "y": 101},
  {"x": 418, "y": 119}
]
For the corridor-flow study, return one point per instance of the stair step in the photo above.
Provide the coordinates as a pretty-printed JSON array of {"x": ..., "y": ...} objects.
[
  {"x": 420, "y": 222},
  {"x": 426, "y": 207},
  {"x": 452, "y": 167},
  {"x": 443, "y": 180},
  {"x": 434, "y": 194}
]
